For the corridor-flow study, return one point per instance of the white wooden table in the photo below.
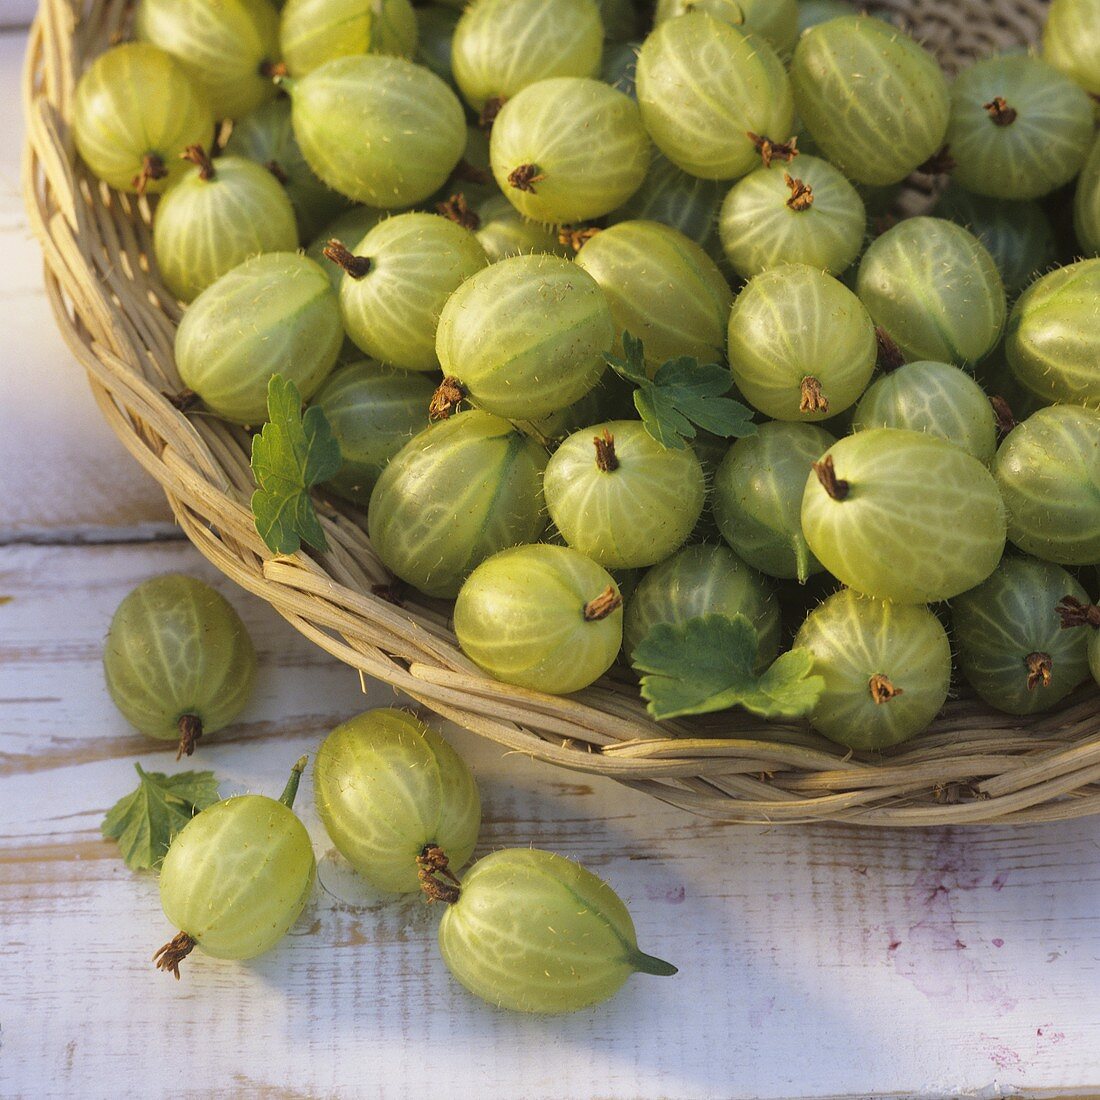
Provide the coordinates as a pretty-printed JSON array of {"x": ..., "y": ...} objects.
[{"x": 813, "y": 961}]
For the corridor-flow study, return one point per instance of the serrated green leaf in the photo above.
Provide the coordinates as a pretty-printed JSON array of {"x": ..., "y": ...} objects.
[
  {"x": 291, "y": 454},
  {"x": 146, "y": 820},
  {"x": 706, "y": 664},
  {"x": 683, "y": 395}
]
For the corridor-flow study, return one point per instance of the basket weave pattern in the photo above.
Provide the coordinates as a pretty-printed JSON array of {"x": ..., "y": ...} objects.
[{"x": 974, "y": 765}]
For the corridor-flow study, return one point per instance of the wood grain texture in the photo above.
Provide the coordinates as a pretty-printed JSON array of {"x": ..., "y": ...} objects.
[{"x": 817, "y": 961}]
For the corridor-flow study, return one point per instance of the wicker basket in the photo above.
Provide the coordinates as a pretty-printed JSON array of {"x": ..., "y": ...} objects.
[{"x": 974, "y": 765}]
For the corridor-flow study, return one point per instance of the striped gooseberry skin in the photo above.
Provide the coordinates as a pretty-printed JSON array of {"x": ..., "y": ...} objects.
[
  {"x": 1017, "y": 233},
  {"x": 1052, "y": 340},
  {"x": 526, "y": 336},
  {"x": 353, "y": 225},
  {"x": 936, "y": 398},
  {"x": 416, "y": 262},
  {"x": 223, "y": 45},
  {"x": 373, "y": 411},
  {"x": 313, "y": 32},
  {"x": 1019, "y": 129},
  {"x": 702, "y": 86},
  {"x": 703, "y": 580},
  {"x": 273, "y": 314},
  {"x": 521, "y": 617},
  {"x": 1086, "y": 204},
  {"x": 266, "y": 136},
  {"x": 857, "y": 642},
  {"x": 757, "y": 498},
  {"x": 238, "y": 875},
  {"x": 872, "y": 99},
  {"x": 766, "y": 220},
  {"x": 629, "y": 516},
  {"x": 935, "y": 289},
  {"x": 776, "y": 21},
  {"x": 503, "y": 231},
  {"x": 917, "y": 519},
  {"x": 1004, "y": 626},
  {"x": 386, "y": 787},
  {"x": 501, "y": 47},
  {"x": 205, "y": 227},
  {"x": 454, "y": 495},
  {"x": 793, "y": 326},
  {"x": 118, "y": 123},
  {"x": 662, "y": 288},
  {"x": 1048, "y": 471},
  {"x": 380, "y": 130},
  {"x": 1071, "y": 41},
  {"x": 581, "y": 143}
]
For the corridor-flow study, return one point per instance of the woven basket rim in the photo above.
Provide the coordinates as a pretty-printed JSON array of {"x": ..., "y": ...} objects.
[{"x": 974, "y": 766}]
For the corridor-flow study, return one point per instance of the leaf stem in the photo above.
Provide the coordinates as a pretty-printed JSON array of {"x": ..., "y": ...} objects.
[{"x": 291, "y": 788}]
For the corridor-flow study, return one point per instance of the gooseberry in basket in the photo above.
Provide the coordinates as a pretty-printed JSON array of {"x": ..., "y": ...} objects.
[
  {"x": 1071, "y": 41},
  {"x": 315, "y": 31},
  {"x": 776, "y": 21}
]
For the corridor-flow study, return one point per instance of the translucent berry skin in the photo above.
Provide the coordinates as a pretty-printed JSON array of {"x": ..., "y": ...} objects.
[
  {"x": 936, "y": 398},
  {"x": 175, "y": 648},
  {"x": 776, "y": 21},
  {"x": 266, "y": 136},
  {"x": 1048, "y": 471},
  {"x": 792, "y": 323},
  {"x": 855, "y": 639},
  {"x": 757, "y": 499},
  {"x": 760, "y": 228},
  {"x": 582, "y": 142},
  {"x": 313, "y": 32},
  {"x": 1010, "y": 617},
  {"x": 492, "y": 56},
  {"x": 503, "y": 231},
  {"x": 874, "y": 101},
  {"x": 634, "y": 515},
  {"x": 526, "y": 336},
  {"x": 534, "y": 932},
  {"x": 702, "y": 580},
  {"x": 919, "y": 521},
  {"x": 1018, "y": 234},
  {"x": 273, "y": 314},
  {"x": 1071, "y": 41},
  {"x": 661, "y": 287},
  {"x": 702, "y": 86},
  {"x": 520, "y": 617},
  {"x": 386, "y": 787},
  {"x": 238, "y": 876},
  {"x": 1029, "y": 154},
  {"x": 373, "y": 411},
  {"x": 454, "y": 495},
  {"x": 1086, "y": 204},
  {"x": 206, "y": 227},
  {"x": 117, "y": 123},
  {"x": 416, "y": 262},
  {"x": 353, "y": 225},
  {"x": 223, "y": 45},
  {"x": 935, "y": 289},
  {"x": 379, "y": 130},
  {"x": 1052, "y": 340}
]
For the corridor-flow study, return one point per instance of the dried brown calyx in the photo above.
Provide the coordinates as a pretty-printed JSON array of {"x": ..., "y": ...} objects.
[
  {"x": 152, "y": 168},
  {"x": 1040, "y": 670},
  {"x": 276, "y": 169},
  {"x": 1073, "y": 612},
  {"x": 801, "y": 195},
  {"x": 835, "y": 486},
  {"x": 436, "y": 879},
  {"x": 446, "y": 399},
  {"x": 190, "y": 727},
  {"x": 773, "y": 150},
  {"x": 272, "y": 70},
  {"x": 196, "y": 154},
  {"x": 1002, "y": 413},
  {"x": 890, "y": 356},
  {"x": 575, "y": 236},
  {"x": 811, "y": 399},
  {"x": 490, "y": 111},
  {"x": 457, "y": 209},
  {"x": 999, "y": 111},
  {"x": 465, "y": 172},
  {"x": 882, "y": 690},
  {"x": 525, "y": 177},
  {"x": 169, "y": 957},
  {"x": 356, "y": 266},
  {"x": 939, "y": 163},
  {"x": 603, "y": 605},
  {"x": 394, "y": 592},
  {"x": 185, "y": 400},
  {"x": 606, "y": 459}
]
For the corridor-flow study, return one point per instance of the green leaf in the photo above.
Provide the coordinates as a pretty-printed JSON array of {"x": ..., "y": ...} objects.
[
  {"x": 683, "y": 395},
  {"x": 291, "y": 455},
  {"x": 706, "y": 664},
  {"x": 145, "y": 821}
]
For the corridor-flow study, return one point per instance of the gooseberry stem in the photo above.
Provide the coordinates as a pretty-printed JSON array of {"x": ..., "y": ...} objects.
[
  {"x": 355, "y": 266},
  {"x": 603, "y": 605},
  {"x": 190, "y": 727},
  {"x": 291, "y": 788},
  {"x": 196, "y": 154},
  {"x": 457, "y": 209},
  {"x": 152, "y": 168},
  {"x": 169, "y": 957},
  {"x": 835, "y": 486},
  {"x": 650, "y": 964},
  {"x": 430, "y": 864},
  {"x": 773, "y": 150},
  {"x": 489, "y": 112},
  {"x": 890, "y": 356},
  {"x": 606, "y": 459},
  {"x": 801, "y": 558},
  {"x": 1073, "y": 613}
]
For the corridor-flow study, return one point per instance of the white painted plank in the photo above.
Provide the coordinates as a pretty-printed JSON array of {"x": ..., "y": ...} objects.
[{"x": 814, "y": 962}]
